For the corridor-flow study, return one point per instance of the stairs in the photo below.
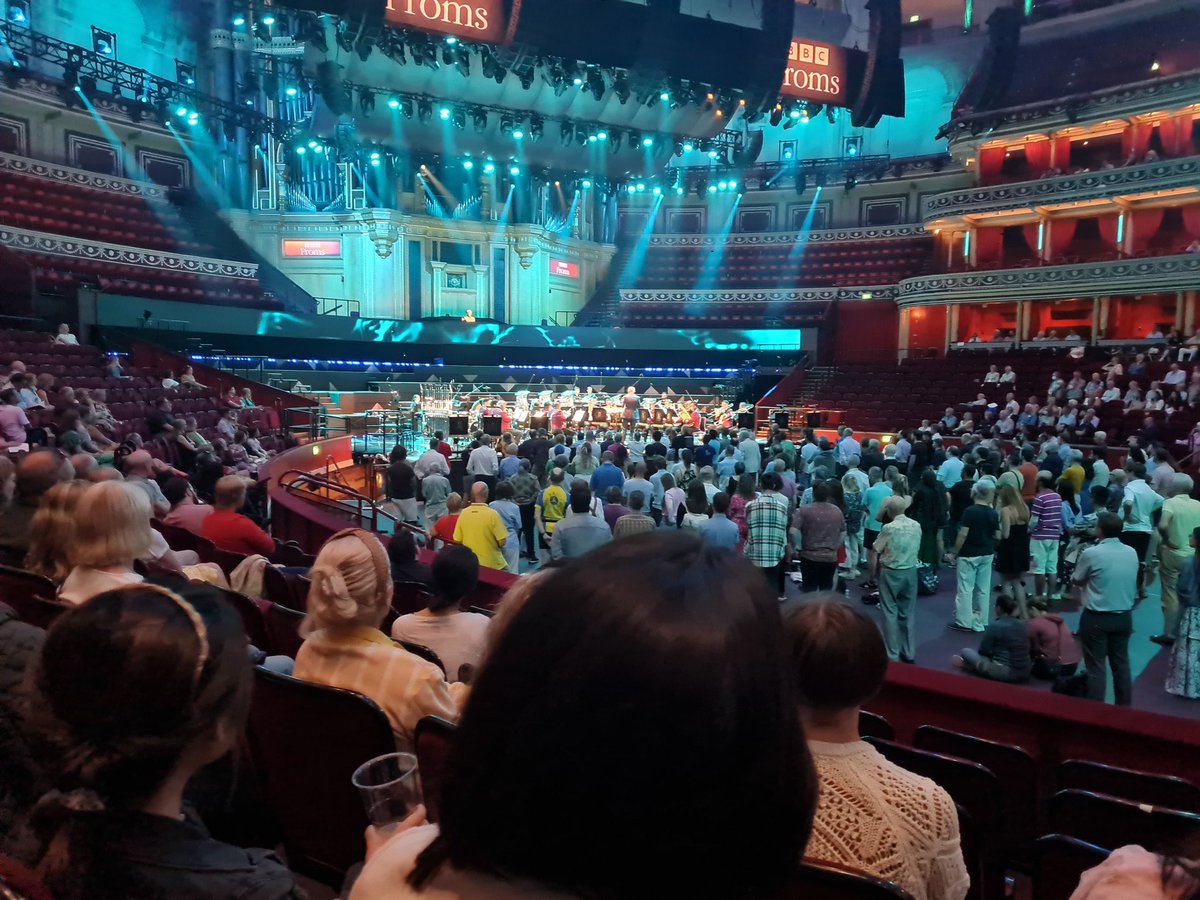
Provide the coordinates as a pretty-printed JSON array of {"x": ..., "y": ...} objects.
[
  {"x": 215, "y": 231},
  {"x": 815, "y": 380},
  {"x": 604, "y": 308}
]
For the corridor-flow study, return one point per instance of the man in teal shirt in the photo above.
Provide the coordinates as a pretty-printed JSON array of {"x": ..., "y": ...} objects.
[{"x": 873, "y": 499}]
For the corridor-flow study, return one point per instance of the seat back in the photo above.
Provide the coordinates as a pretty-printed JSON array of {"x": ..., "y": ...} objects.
[
  {"x": 283, "y": 629},
  {"x": 1013, "y": 766},
  {"x": 432, "y": 742},
  {"x": 227, "y": 560},
  {"x": 1058, "y": 863},
  {"x": 873, "y": 725},
  {"x": 33, "y": 610},
  {"x": 826, "y": 881},
  {"x": 306, "y": 741},
  {"x": 1111, "y": 822},
  {"x": 283, "y": 589},
  {"x": 1128, "y": 784},
  {"x": 251, "y": 612},
  {"x": 290, "y": 554},
  {"x": 182, "y": 539},
  {"x": 425, "y": 653},
  {"x": 409, "y": 597}
]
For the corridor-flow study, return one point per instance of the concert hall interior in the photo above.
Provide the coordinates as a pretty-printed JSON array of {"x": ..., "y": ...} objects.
[{"x": 605, "y": 449}]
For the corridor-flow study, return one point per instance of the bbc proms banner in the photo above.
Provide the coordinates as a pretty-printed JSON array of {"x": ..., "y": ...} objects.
[{"x": 494, "y": 334}]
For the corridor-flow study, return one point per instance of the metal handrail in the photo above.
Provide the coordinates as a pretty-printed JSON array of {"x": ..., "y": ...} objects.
[{"x": 307, "y": 486}]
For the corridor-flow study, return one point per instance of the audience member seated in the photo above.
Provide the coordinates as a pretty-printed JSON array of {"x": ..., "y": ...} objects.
[
  {"x": 351, "y": 593},
  {"x": 13, "y": 420},
  {"x": 112, "y": 531},
  {"x": 138, "y": 469},
  {"x": 64, "y": 336},
  {"x": 402, "y": 555},
  {"x": 52, "y": 531},
  {"x": 132, "y": 694},
  {"x": 1133, "y": 872},
  {"x": 872, "y": 815},
  {"x": 1003, "y": 654},
  {"x": 457, "y": 637},
  {"x": 36, "y": 474},
  {"x": 186, "y": 509},
  {"x": 578, "y": 674},
  {"x": 226, "y": 527},
  {"x": 447, "y": 523}
]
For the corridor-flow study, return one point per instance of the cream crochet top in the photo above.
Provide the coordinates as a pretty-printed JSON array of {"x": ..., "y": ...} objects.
[{"x": 881, "y": 819}]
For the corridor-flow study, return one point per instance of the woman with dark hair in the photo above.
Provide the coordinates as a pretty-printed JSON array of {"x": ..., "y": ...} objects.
[
  {"x": 1070, "y": 505},
  {"x": 457, "y": 637},
  {"x": 402, "y": 557},
  {"x": 133, "y": 693},
  {"x": 579, "y": 770},
  {"x": 696, "y": 506},
  {"x": 931, "y": 511},
  {"x": 873, "y": 815},
  {"x": 1183, "y": 676},
  {"x": 741, "y": 498}
]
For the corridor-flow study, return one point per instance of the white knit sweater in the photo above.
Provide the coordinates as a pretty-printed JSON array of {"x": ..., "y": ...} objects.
[{"x": 881, "y": 819}]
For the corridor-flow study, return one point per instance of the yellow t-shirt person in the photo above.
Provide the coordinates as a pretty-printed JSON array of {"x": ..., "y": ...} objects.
[
  {"x": 481, "y": 529},
  {"x": 553, "y": 502}
]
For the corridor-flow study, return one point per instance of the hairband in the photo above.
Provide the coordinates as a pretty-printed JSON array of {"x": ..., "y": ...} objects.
[
  {"x": 383, "y": 571},
  {"x": 197, "y": 625}
]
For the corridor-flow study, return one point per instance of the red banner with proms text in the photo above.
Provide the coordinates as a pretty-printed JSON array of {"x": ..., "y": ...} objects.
[
  {"x": 474, "y": 20},
  {"x": 817, "y": 72}
]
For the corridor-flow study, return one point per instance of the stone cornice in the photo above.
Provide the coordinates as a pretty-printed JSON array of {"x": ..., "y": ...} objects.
[
  {"x": 1104, "y": 183},
  {"x": 826, "y": 236},
  {"x": 800, "y": 295},
  {"x": 40, "y": 242},
  {"x": 1058, "y": 112},
  {"x": 1158, "y": 273},
  {"x": 81, "y": 178}
]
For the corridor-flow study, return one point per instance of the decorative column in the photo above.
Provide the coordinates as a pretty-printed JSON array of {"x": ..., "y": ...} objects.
[
  {"x": 1101, "y": 326},
  {"x": 902, "y": 343},
  {"x": 952, "y": 325},
  {"x": 1021, "y": 332}
]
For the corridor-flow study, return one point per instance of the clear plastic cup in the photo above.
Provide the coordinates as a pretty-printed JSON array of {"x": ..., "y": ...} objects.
[{"x": 390, "y": 786}]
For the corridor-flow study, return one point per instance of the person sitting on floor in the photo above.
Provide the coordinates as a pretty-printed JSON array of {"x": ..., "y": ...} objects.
[
  {"x": 1052, "y": 646},
  {"x": 343, "y": 647},
  {"x": 457, "y": 637},
  {"x": 1003, "y": 654},
  {"x": 872, "y": 815}
]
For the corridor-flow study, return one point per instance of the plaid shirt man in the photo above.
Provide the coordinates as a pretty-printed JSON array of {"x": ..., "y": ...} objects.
[{"x": 767, "y": 520}]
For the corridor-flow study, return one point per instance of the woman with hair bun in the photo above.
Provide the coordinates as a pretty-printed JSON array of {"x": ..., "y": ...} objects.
[
  {"x": 132, "y": 694},
  {"x": 344, "y": 647}
]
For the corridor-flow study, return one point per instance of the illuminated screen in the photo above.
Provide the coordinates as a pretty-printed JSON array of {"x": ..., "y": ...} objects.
[{"x": 493, "y": 334}]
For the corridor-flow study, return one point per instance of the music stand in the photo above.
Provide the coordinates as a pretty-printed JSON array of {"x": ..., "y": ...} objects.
[
  {"x": 782, "y": 419},
  {"x": 746, "y": 420},
  {"x": 458, "y": 426},
  {"x": 491, "y": 425},
  {"x": 539, "y": 422}
]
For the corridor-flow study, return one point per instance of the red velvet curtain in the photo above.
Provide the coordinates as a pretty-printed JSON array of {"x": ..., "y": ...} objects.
[
  {"x": 1062, "y": 232},
  {"x": 1135, "y": 141},
  {"x": 988, "y": 242},
  {"x": 1062, "y": 152},
  {"x": 1144, "y": 223},
  {"x": 1037, "y": 154},
  {"x": 991, "y": 159},
  {"x": 1176, "y": 135},
  {"x": 1109, "y": 226},
  {"x": 1191, "y": 219}
]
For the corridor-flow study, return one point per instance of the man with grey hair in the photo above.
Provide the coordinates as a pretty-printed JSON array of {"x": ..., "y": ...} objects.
[
  {"x": 859, "y": 476},
  {"x": 84, "y": 465},
  {"x": 897, "y": 546},
  {"x": 751, "y": 452},
  {"x": 848, "y": 447},
  {"x": 36, "y": 474},
  {"x": 975, "y": 548},
  {"x": 139, "y": 470},
  {"x": 1180, "y": 517}
]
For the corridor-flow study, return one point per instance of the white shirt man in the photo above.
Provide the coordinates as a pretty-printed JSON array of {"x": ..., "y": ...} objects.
[
  {"x": 751, "y": 452},
  {"x": 848, "y": 447},
  {"x": 1175, "y": 376},
  {"x": 483, "y": 459},
  {"x": 429, "y": 462}
]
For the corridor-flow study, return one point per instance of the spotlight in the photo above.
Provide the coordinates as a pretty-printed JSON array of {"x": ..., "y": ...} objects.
[
  {"x": 300, "y": 151},
  {"x": 238, "y": 21},
  {"x": 595, "y": 82},
  {"x": 794, "y": 114},
  {"x": 480, "y": 119},
  {"x": 586, "y": 183},
  {"x": 518, "y": 134},
  {"x": 632, "y": 189},
  {"x": 665, "y": 96},
  {"x": 489, "y": 167},
  {"x": 185, "y": 73},
  {"x": 394, "y": 102},
  {"x": 374, "y": 155},
  {"x": 621, "y": 88},
  {"x": 363, "y": 48},
  {"x": 525, "y": 75},
  {"x": 679, "y": 189},
  {"x": 712, "y": 154},
  {"x": 375, "y": 161},
  {"x": 18, "y": 12},
  {"x": 181, "y": 111},
  {"x": 732, "y": 184},
  {"x": 468, "y": 165},
  {"x": 366, "y": 100},
  {"x": 424, "y": 110},
  {"x": 657, "y": 191},
  {"x": 292, "y": 91},
  {"x": 712, "y": 188},
  {"x": 602, "y": 135},
  {"x": 851, "y": 146},
  {"x": 536, "y": 128},
  {"x": 451, "y": 41},
  {"x": 514, "y": 170},
  {"x": 104, "y": 42},
  {"x": 268, "y": 21},
  {"x": 459, "y": 117},
  {"x": 688, "y": 146},
  {"x": 641, "y": 186},
  {"x": 444, "y": 113},
  {"x": 87, "y": 87},
  {"x": 723, "y": 185},
  {"x": 1154, "y": 66},
  {"x": 776, "y": 115}
]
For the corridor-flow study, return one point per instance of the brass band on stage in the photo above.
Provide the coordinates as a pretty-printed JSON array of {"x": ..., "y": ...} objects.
[{"x": 558, "y": 410}]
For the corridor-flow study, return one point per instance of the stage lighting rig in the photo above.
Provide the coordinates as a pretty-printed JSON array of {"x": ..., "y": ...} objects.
[
  {"x": 18, "y": 13},
  {"x": 536, "y": 128},
  {"x": 104, "y": 43},
  {"x": 391, "y": 45},
  {"x": 595, "y": 82},
  {"x": 366, "y": 101},
  {"x": 424, "y": 111},
  {"x": 185, "y": 73},
  {"x": 480, "y": 119},
  {"x": 621, "y": 87},
  {"x": 363, "y": 47}
]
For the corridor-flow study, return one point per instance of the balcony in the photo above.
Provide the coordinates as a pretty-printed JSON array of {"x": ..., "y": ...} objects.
[
  {"x": 1099, "y": 190},
  {"x": 1124, "y": 276}
]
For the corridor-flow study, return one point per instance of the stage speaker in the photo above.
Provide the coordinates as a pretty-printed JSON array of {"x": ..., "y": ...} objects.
[
  {"x": 782, "y": 420},
  {"x": 746, "y": 420},
  {"x": 881, "y": 92},
  {"x": 333, "y": 89},
  {"x": 538, "y": 422},
  {"x": 813, "y": 419},
  {"x": 491, "y": 425},
  {"x": 989, "y": 83},
  {"x": 458, "y": 426}
]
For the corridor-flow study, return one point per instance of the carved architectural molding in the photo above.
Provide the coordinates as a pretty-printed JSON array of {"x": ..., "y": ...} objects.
[
  {"x": 1105, "y": 183},
  {"x": 825, "y": 236},
  {"x": 1116, "y": 103},
  {"x": 382, "y": 231},
  {"x": 1124, "y": 276},
  {"x": 810, "y": 295},
  {"x": 81, "y": 178},
  {"x": 39, "y": 242}
]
